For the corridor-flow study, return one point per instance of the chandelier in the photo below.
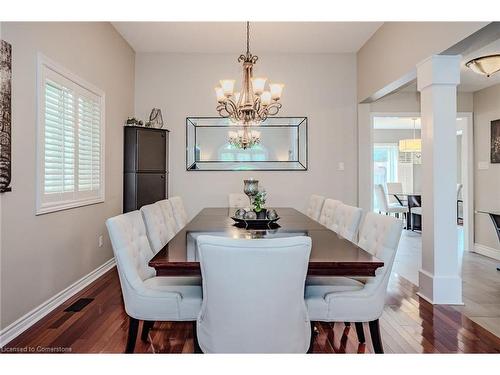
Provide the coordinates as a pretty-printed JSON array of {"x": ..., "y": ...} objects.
[
  {"x": 411, "y": 144},
  {"x": 244, "y": 138},
  {"x": 254, "y": 103}
]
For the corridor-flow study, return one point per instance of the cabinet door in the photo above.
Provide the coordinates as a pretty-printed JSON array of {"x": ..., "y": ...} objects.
[
  {"x": 151, "y": 187},
  {"x": 151, "y": 150}
]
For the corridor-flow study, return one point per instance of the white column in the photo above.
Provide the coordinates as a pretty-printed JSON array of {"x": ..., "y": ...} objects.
[{"x": 440, "y": 279}]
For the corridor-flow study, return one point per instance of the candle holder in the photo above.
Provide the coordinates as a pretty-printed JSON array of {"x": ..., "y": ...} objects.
[{"x": 251, "y": 188}]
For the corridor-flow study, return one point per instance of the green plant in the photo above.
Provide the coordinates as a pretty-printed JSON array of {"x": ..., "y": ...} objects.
[{"x": 259, "y": 201}]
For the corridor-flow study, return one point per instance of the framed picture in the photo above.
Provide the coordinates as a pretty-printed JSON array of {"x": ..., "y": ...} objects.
[
  {"x": 5, "y": 115},
  {"x": 495, "y": 141}
]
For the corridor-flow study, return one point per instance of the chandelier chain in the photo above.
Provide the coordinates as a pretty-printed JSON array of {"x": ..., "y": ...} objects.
[{"x": 248, "y": 37}]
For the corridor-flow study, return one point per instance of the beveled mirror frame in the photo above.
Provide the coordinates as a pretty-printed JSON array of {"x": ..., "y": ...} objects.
[{"x": 299, "y": 163}]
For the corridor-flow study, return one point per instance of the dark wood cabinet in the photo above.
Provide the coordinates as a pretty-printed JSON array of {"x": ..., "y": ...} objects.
[{"x": 145, "y": 178}]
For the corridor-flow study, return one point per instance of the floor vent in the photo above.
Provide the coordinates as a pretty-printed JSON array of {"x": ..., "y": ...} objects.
[{"x": 79, "y": 305}]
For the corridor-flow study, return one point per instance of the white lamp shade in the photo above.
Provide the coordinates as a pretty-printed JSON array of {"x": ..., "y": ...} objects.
[
  {"x": 410, "y": 145},
  {"x": 265, "y": 98},
  {"x": 227, "y": 86},
  {"x": 258, "y": 85},
  {"x": 220, "y": 94},
  {"x": 276, "y": 90}
]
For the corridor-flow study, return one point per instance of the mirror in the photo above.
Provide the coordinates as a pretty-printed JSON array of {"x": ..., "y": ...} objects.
[{"x": 281, "y": 144}]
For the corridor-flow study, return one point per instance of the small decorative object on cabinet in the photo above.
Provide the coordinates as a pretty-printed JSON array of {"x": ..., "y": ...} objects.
[
  {"x": 132, "y": 121},
  {"x": 155, "y": 119},
  {"x": 145, "y": 177},
  {"x": 5, "y": 115}
]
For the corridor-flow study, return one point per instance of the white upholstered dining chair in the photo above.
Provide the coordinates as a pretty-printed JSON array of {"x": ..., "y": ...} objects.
[
  {"x": 350, "y": 300},
  {"x": 385, "y": 206},
  {"x": 147, "y": 297},
  {"x": 253, "y": 295},
  {"x": 315, "y": 206},
  {"x": 346, "y": 221},
  {"x": 168, "y": 214},
  {"x": 328, "y": 212},
  {"x": 394, "y": 188},
  {"x": 158, "y": 228},
  {"x": 238, "y": 200},
  {"x": 179, "y": 211}
]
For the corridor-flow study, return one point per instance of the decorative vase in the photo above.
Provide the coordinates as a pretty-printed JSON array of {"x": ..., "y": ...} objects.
[{"x": 251, "y": 188}]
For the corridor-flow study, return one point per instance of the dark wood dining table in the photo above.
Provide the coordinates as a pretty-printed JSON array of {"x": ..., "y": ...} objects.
[{"x": 331, "y": 255}]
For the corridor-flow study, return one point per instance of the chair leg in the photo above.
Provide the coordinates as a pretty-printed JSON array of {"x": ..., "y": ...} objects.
[
  {"x": 197, "y": 348},
  {"x": 311, "y": 342},
  {"x": 375, "y": 334},
  {"x": 146, "y": 326},
  {"x": 360, "y": 331},
  {"x": 133, "y": 327}
]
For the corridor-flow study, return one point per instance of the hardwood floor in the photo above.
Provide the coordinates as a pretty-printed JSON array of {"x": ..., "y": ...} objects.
[
  {"x": 408, "y": 325},
  {"x": 481, "y": 280}
]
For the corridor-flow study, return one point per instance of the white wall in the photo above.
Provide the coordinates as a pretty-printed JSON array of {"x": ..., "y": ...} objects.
[
  {"x": 486, "y": 182},
  {"x": 42, "y": 255},
  {"x": 395, "y": 49},
  {"x": 321, "y": 87}
]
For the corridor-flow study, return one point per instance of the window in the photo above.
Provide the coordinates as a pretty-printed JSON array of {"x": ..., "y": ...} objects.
[
  {"x": 385, "y": 165},
  {"x": 70, "y": 140}
]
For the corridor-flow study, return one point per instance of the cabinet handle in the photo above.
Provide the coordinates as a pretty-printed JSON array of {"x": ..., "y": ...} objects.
[{"x": 162, "y": 177}]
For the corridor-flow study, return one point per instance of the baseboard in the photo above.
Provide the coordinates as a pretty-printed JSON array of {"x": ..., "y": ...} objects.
[
  {"x": 22, "y": 324},
  {"x": 487, "y": 251}
]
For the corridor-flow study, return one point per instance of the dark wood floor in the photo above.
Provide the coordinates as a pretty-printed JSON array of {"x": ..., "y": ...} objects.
[{"x": 408, "y": 325}]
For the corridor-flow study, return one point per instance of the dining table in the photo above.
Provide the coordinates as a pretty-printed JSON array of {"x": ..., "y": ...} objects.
[{"x": 331, "y": 254}]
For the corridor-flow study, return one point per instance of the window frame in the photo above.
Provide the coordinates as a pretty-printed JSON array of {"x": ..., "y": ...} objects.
[{"x": 79, "y": 199}]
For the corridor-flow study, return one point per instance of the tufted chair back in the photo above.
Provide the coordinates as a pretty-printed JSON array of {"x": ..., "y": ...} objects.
[
  {"x": 159, "y": 231},
  {"x": 383, "y": 204},
  {"x": 315, "y": 206},
  {"x": 380, "y": 236},
  {"x": 180, "y": 215},
  {"x": 132, "y": 251},
  {"x": 328, "y": 212},
  {"x": 346, "y": 221},
  {"x": 168, "y": 214},
  {"x": 238, "y": 200},
  {"x": 253, "y": 295}
]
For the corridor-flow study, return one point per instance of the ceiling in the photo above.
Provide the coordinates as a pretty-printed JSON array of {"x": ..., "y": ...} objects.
[
  {"x": 399, "y": 122},
  {"x": 229, "y": 37},
  {"x": 395, "y": 123}
]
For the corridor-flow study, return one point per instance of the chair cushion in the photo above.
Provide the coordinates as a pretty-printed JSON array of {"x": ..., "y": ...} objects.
[
  {"x": 336, "y": 281},
  {"x": 396, "y": 207},
  {"x": 191, "y": 295},
  {"x": 317, "y": 305},
  {"x": 416, "y": 210}
]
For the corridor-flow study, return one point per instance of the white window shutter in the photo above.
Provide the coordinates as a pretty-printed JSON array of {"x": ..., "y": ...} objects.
[{"x": 70, "y": 140}]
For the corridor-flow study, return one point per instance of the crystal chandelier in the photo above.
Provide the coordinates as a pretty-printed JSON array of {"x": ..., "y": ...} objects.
[
  {"x": 244, "y": 138},
  {"x": 254, "y": 103}
]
